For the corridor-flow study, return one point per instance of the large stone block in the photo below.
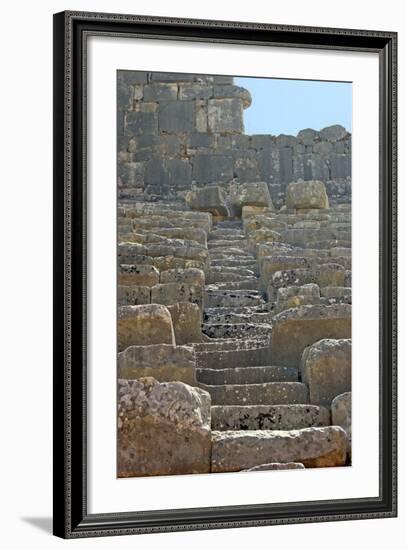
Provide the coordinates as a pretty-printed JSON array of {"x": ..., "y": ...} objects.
[
  {"x": 164, "y": 362},
  {"x": 163, "y": 428},
  {"x": 326, "y": 366},
  {"x": 133, "y": 295},
  {"x": 191, "y": 276},
  {"x": 187, "y": 322},
  {"x": 208, "y": 199},
  {"x": 341, "y": 411},
  {"x": 144, "y": 275},
  {"x": 306, "y": 194},
  {"x": 268, "y": 417},
  {"x": 233, "y": 451},
  {"x": 300, "y": 327},
  {"x": 138, "y": 123},
  {"x": 160, "y": 92},
  {"x": 249, "y": 194},
  {"x": 176, "y": 117},
  {"x": 171, "y": 293},
  {"x": 208, "y": 168},
  {"x": 144, "y": 325},
  {"x": 225, "y": 115}
]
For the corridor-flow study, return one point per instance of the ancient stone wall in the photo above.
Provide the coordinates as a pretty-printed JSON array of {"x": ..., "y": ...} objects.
[{"x": 180, "y": 131}]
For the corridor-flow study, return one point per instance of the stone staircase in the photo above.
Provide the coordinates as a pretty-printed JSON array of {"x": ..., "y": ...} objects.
[
  {"x": 247, "y": 391},
  {"x": 219, "y": 312}
]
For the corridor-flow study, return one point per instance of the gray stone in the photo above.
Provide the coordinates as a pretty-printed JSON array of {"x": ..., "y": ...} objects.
[
  {"x": 309, "y": 194},
  {"x": 164, "y": 362},
  {"x": 176, "y": 117},
  {"x": 268, "y": 417},
  {"x": 326, "y": 366},
  {"x": 225, "y": 115},
  {"x": 138, "y": 123},
  {"x": 209, "y": 199},
  {"x": 163, "y": 428},
  {"x": 208, "y": 168},
  {"x": 250, "y": 194},
  {"x": 144, "y": 275},
  {"x": 333, "y": 133},
  {"x": 270, "y": 393},
  {"x": 160, "y": 92},
  {"x": 190, "y": 276},
  {"x": 233, "y": 451}
]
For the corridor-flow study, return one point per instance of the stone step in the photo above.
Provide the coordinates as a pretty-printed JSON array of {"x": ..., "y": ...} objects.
[
  {"x": 248, "y": 263},
  {"x": 245, "y": 283},
  {"x": 227, "y": 358},
  {"x": 265, "y": 417},
  {"x": 229, "y": 236},
  {"x": 231, "y": 344},
  {"x": 215, "y": 277},
  {"x": 225, "y": 244},
  {"x": 236, "y": 330},
  {"x": 238, "y": 298},
  {"x": 247, "y": 375},
  {"x": 228, "y": 224},
  {"x": 270, "y": 393},
  {"x": 317, "y": 447},
  {"x": 213, "y": 316}
]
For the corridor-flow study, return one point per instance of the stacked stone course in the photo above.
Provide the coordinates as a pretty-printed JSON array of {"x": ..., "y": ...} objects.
[
  {"x": 180, "y": 131},
  {"x": 234, "y": 324}
]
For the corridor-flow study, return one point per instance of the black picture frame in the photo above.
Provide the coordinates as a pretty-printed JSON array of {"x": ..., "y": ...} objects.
[{"x": 71, "y": 518}]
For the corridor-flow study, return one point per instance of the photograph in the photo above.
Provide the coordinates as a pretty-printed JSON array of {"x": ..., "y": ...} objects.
[{"x": 234, "y": 273}]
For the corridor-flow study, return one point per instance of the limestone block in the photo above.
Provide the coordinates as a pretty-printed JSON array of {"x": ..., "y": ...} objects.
[
  {"x": 297, "y": 328},
  {"x": 263, "y": 235},
  {"x": 268, "y": 417},
  {"x": 222, "y": 91},
  {"x": 307, "y": 136},
  {"x": 277, "y": 466},
  {"x": 233, "y": 451},
  {"x": 187, "y": 322},
  {"x": 326, "y": 366},
  {"x": 208, "y": 199},
  {"x": 341, "y": 411},
  {"x": 191, "y": 276},
  {"x": 195, "y": 90},
  {"x": 164, "y": 362},
  {"x": 144, "y": 275},
  {"x": 176, "y": 117},
  {"x": 163, "y": 428},
  {"x": 133, "y": 295},
  {"x": 225, "y": 115},
  {"x": 171, "y": 293},
  {"x": 271, "y": 264},
  {"x": 329, "y": 274},
  {"x": 208, "y": 168},
  {"x": 307, "y": 194},
  {"x": 250, "y": 194},
  {"x": 336, "y": 291},
  {"x": 144, "y": 325}
]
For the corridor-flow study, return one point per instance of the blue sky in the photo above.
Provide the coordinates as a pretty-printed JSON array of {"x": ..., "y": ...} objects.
[{"x": 287, "y": 106}]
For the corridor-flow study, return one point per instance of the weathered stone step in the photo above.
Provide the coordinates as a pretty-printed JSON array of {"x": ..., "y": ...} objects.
[
  {"x": 247, "y": 375},
  {"x": 214, "y": 316},
  {"x": 315, "y": 447},
  {"x": 215, "y": 277},
  {"x": 245, "y": 283},
  {"x": 265, "y": 417},
  {"x": 270, "y": 393},
  {"x": 232, "y": 344},
  {"x": 238, "y": 298},
  {"x": 228, "y": 236},
  {"x": 236, "y": 330},
  {"x": 230, "y": 251},
  {"x": 223, "y": 359},
  {"x": 224, "y": 244},
  {"x": 248, "y": 263}
]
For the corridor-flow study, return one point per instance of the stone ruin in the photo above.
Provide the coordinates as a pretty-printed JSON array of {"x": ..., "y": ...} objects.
[{"x": 234, "y": 285}]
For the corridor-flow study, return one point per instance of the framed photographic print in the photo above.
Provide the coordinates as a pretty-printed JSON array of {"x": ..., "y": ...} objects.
[{"x": 224, "y": 274}]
